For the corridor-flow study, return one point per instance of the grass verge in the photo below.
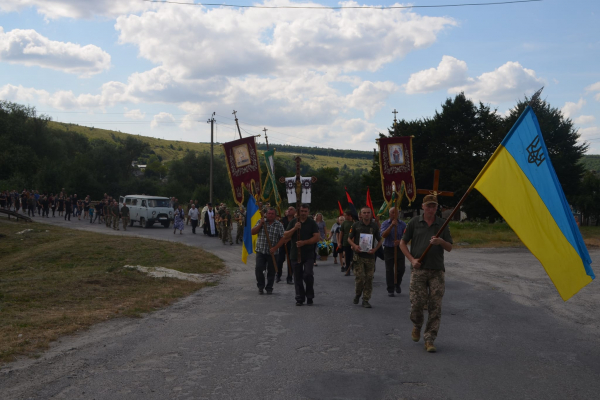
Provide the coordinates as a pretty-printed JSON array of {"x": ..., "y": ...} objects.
[
  {"x": 56, "y": 281},
  {"x": 484, "y": 234}
]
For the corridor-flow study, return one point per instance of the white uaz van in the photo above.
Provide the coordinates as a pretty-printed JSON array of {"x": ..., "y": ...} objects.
[{"x": 148, "y": 209}]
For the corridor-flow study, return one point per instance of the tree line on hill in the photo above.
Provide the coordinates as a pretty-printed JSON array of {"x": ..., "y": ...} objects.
[{"x": 458, "y": 140}]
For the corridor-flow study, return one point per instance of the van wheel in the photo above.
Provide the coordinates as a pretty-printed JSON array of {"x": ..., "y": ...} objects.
[
  {"x": 131, "y": 223},
  {"x": 143, "y": 223},
  {"x": 148, "y": 224},
  {"x": 166, "y": 224}
]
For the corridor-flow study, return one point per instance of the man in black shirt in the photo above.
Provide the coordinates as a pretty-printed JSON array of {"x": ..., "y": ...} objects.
[
  {"x": 303, "y": 232},
  {"x": 281, "y": 257}
]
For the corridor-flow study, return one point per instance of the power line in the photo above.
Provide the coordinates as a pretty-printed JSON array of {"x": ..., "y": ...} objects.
[{"x": 342, "y": 7}]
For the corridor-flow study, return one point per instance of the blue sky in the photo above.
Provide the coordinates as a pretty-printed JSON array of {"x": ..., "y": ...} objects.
[{"x": 312, "y": 77}]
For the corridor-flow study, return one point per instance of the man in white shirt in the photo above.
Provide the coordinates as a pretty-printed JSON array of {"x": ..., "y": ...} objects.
[{"x": 193, "y": 215}]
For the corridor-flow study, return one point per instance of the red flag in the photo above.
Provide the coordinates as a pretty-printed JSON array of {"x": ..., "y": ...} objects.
[
  {"x": 351, "y": 205},
  {"x": 341, "y": 210},
  {"x": 369, "y": 202}
]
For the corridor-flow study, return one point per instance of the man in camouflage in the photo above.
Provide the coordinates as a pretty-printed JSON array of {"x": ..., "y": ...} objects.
[
  {"x": 219, "y": 216},
  {"x": 427, "y": 281},
  {"x": 364, "y": 260},
  {"x": 115, "y": 215},
  {"x": 125, "y": 216},
  {"x": 226, "y": 223},
  {"x": 240, "y": 217},
  {"x": 107, "y": 213}
]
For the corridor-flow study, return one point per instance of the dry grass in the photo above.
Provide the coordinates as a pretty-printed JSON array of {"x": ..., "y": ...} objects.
[{"x": 56, "y": 281}]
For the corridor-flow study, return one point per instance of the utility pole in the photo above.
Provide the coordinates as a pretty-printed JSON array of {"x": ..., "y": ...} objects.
[
  {"x": 237, "y": 123},
  {"x": 212, "y": 124}
]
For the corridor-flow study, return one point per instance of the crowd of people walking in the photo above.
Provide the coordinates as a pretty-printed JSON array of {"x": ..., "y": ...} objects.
[{"x": 356, "y": 240}]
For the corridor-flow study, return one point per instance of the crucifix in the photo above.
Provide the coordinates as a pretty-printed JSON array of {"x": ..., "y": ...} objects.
[
  {"x": 436, "y": 183},
  {"x": 395, "y": 112},
  {"x": 298, "y": 189}
]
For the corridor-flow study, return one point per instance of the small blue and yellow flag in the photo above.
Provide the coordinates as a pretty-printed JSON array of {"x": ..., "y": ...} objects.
[
  {"x": 520, "y": 182},
  {"x": 252, "y": 217}
]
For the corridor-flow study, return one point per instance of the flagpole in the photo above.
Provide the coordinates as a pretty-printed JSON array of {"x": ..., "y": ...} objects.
[{"x": 462, "y": 200}]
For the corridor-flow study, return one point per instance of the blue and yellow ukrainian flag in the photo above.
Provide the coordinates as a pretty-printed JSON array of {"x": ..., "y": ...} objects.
[
  {"x": 520, "y": 182},
  {"x": 252, "y": 217}
]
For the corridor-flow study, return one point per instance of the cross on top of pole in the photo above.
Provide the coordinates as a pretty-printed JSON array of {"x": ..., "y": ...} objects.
[{"x": 395, "y": 112}]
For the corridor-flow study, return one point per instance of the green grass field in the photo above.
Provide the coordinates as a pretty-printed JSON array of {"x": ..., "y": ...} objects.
[{"x": 173, "y": 149}]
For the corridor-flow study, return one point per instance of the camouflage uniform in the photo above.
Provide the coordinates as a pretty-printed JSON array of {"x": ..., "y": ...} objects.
[
  {"x": 420, "y": 280},
  {"x": 427, "y": 283},
  {"x": 364, "y": 270},
  {"x": 221, "y": 213},
  {"x": 240, "y": 217},
  {"x": 125, "y": 216},
  {"x": 115, "y": 216},
  {"x": 226, "y": 223},
  {"x": 364, "y": 263}
]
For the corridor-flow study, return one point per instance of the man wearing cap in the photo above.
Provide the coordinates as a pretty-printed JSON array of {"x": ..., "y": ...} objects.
[{"x": 427, "y": 283}]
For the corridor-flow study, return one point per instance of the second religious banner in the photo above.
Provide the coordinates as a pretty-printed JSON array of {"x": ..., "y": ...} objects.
[
  {"x": 243, "y": 167},
  {"x": 270, "y": 186},
  {"x": 397, "y": 167}
]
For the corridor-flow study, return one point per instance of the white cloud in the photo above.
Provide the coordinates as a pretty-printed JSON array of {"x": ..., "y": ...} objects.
[
  {"x": 450, "y": 72},
  {"x": 570, "y": 109},
  {"x": 584, "y": 119},
  {"x": 594, "y": 88},
  {"x": 53, "y": 9},
  {"x": 196, "y": 42},
  {"x": 134, "y": 114},
  {"x": 161, "y": 119},
  {"x": 506, "y": 83},
  {"x": 27, "y": 47}
]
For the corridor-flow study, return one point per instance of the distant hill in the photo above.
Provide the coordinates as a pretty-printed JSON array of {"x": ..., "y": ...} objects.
[
  {"x": 591, "y": 162},
  {"x": 168, "y": 150}
]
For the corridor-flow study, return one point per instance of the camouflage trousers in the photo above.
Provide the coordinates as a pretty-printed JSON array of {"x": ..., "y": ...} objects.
[
  {"x": 125, "y": 221},
  {"x": 226, "y": 234},
  {"x": 240, "y": 234},
  {"x": 107, "y": 220},
  {"x": 115, "y": 221},
  {"x": 427, "y": 287},
  {"x": 221, "y": 229},
  {"x": 364, "y": 269}
]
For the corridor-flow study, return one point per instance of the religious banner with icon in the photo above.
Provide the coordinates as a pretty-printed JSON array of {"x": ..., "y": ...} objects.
[
  {"x": 397, "y": 168},
  {"x": 243, "y": 167}
]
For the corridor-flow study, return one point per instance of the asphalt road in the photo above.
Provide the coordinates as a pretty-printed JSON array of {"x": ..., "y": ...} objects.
[{"x": 505, "y": 334}]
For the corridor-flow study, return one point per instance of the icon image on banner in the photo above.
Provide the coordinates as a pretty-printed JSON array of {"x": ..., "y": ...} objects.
[
  {"x": 242, "y": 155},
  {"x": 396, "y": 154}
]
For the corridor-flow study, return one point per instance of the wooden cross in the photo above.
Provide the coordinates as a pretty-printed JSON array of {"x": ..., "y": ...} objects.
[
  {"x": 435, "y": 191},
  {"x": 313, "y": 179}
]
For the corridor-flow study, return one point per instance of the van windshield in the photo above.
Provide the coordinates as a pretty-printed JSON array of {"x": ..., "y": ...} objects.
[{"x": 158, "y": 203}]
